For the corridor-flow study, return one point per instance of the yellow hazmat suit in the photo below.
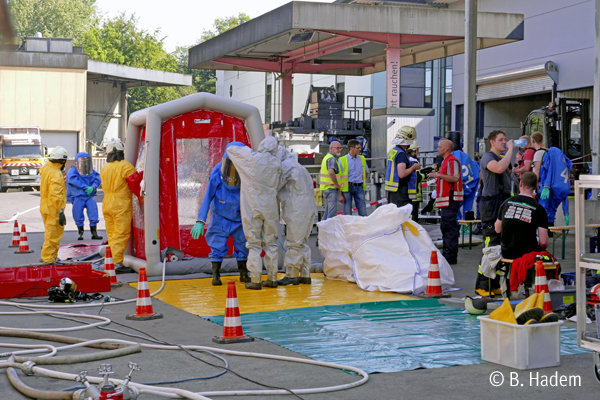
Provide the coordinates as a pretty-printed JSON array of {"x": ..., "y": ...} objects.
[
  {"x": 116, "y": 206},
  {"x": 53, "y": 194}
]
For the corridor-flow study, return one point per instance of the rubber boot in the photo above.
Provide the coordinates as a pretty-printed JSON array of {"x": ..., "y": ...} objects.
[
  {"x": 94, "y": 233},
  {"x": 216, "y": 270},
  {"x": 121, "y": 269},
  {"x": 253, "y": 285},
  {"x": 288, "y": 281},
  {"x": 269, "y": 283},
  {"x": 304, "y": 281},
  {"x": 243, "y": 270},
  {"x": 80, "y": 229}
]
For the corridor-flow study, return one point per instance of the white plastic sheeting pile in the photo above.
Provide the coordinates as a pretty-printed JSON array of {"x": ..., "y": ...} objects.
[{"x": 385, "y": 254}]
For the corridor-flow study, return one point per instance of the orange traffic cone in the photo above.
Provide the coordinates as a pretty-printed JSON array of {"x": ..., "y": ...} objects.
[
  {"x": 23, "y": 243},
  {"x": 143, "y": 306},
  {"x": 232, "y": 325},
  {"x": 541, "y": 284},
  {"x": 109, "y": 268},
  {"x": 434, "y": 282},
  {"x": 16, "y": 237}
]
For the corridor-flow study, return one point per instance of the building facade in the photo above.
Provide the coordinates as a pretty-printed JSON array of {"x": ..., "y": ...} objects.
[
  {"x": 47, "y": 82},
  {"x": 511, "y": 80}
]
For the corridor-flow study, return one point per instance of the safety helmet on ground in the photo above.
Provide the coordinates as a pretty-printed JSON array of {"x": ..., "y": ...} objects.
[
  {"x": 114, "y": 145},
  {"x": 67, "y": 284},
  {"x": 405, "y": 136},
  {"x": 58, "y": 154}
]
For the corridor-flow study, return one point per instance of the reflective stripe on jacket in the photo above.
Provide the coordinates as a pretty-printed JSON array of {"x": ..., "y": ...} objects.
[
  {"x": 391, "y": 171},
  {"x": 412, "y": 182},
  {"x": 444, "y": 187}
]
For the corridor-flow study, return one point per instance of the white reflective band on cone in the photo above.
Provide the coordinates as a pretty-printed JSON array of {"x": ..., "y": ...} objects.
[
  {"x": 143, "y": 285},
  {"x": 144, "y": 301},
  {"x": 434, "y": 282},
  {"x": 232, "y": 321},
  {"x": 231, "y": 303}
]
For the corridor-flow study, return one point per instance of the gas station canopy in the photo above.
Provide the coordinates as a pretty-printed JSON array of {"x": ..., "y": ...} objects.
[{"x": 348, "y": 39}]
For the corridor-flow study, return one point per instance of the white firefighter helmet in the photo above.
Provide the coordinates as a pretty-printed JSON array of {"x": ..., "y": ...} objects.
[
  {"x": 58, "y": 154},
  {"x": 114, "y": 145},
  {"x": 405, "y": 136},
  {"x": 414, "y": 146},
  {"x": 67, "y": 284}
]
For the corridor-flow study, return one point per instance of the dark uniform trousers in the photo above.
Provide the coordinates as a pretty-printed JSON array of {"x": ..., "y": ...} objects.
[{"x": 450, "y": 231}]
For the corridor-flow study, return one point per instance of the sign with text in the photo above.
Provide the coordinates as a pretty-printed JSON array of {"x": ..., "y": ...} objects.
[{"x": 393, "y": 78}]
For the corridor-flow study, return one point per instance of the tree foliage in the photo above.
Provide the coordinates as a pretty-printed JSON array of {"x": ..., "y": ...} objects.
[
  {"x": 53, "y": 18},
  {"x": 222, "y": 25},
  {"x": 120, "y": 41},
  {"x": 204, "y": 80}
]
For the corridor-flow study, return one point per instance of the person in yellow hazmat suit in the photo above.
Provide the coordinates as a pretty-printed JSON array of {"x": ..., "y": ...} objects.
[
  {"x": 116, "y": 206},
  {"x": 53, "y": 199}
]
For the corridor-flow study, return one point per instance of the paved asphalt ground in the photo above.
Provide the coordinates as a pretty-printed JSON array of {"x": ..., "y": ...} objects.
[{"x": 461, "y": 382}]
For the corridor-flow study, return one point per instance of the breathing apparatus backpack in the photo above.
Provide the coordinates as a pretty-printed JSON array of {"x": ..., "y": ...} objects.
[{"x": 67, "y": 292}]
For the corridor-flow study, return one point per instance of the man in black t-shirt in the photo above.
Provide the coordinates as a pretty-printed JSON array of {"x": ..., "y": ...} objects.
[
  {"x": 520, "y": 218},
  {"x": 495, "y": 189}
]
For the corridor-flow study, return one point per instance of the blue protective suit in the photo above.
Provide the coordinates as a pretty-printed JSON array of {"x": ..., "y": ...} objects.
[
  {"x": 554, "y": 174},
  {"x": 470, "y": 177},
  {"x": 76, "y": 185},
  {"x": 224, "y": 203}
]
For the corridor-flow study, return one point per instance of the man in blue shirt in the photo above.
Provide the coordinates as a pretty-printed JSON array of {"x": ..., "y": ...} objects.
[{"x": 356, "y": 167}]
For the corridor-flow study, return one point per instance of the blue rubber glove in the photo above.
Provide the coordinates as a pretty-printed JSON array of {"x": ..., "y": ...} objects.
[
  {"x": 567, "y": 219},
  {"x": 89, "y": 190},
  {"x": 545, "y": 193},
  {"x": 198, "y": 230}
]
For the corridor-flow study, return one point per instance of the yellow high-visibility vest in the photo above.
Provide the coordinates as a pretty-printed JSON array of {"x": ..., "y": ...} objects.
[
  {"x": 345, "y": 172},
  {"x": 325, "y": 179}
]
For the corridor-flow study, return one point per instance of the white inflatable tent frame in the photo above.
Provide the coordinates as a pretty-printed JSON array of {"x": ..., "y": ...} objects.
[{"x": 153, "y": 118}]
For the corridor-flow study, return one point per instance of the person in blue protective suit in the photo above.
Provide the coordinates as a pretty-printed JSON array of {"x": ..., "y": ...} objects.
[
  {"x": 470, "y": 178},
  {"x": 223, "y": 198},
  {"x": 554, "y": 185},
  {"x": 82, "y": 183}
]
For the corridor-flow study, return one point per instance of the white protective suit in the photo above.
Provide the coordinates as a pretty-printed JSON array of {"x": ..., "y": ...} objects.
[
  {"x": 298, "y": 210},
  {"x": 259, "y": 172}
]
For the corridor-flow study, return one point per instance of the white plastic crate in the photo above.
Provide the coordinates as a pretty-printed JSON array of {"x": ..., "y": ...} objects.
[{"x": 520, "y": 346}]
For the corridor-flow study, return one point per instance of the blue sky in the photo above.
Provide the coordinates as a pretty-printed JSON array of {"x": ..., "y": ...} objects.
[{"x": 182, "y": 21}]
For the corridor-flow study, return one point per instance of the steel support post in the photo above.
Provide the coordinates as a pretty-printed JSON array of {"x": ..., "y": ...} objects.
[{"x": 470, "y": 74}]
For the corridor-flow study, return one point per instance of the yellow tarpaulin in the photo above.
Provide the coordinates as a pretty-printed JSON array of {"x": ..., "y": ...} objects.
[{"x": 199, "y": 297}]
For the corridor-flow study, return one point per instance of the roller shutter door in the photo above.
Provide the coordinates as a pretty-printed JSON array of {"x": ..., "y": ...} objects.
[
  {"x": 68, "y": 140},
  {"x": 514, "y": 88}
]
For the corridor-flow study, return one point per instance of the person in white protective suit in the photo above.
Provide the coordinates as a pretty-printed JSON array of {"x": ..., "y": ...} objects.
[
  {"x": 298, "y": 210},
  {"x": 259, "y": 172}
]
